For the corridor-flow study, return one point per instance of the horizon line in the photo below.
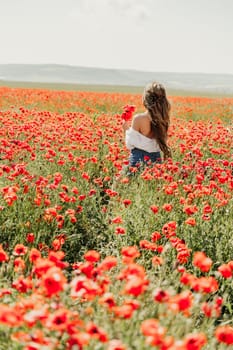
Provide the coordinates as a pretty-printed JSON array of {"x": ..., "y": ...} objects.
[{"x": 108, "y": 68}]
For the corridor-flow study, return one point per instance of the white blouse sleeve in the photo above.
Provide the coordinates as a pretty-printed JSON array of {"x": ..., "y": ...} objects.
[
  {"x": 134, "y": 139},
  {"x": 131, "y": 139}
]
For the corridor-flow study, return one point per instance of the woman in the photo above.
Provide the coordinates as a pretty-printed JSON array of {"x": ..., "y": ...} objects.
[{"x": 146, "y": 138}]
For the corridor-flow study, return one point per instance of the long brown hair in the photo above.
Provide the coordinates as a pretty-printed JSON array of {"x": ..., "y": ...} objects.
[{"x": 158, "y": 106}]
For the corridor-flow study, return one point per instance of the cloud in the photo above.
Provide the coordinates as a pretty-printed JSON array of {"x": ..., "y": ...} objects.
[
  {"x": 133, "y": 10},
  {"x": 141, "y": 13},
  {"x": 137, "y": 9}
]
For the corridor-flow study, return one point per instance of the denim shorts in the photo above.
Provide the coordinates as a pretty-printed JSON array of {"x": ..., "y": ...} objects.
[{"x": 139, "y": 156}]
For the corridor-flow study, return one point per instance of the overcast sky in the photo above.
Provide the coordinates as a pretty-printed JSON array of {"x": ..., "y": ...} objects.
[{"x": 151, "y": 35}]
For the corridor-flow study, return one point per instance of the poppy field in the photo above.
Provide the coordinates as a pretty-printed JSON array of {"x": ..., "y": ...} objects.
[{"x": 93, "y": 258}]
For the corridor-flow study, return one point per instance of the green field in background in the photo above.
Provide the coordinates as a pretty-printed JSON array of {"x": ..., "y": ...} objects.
[{"x": 105, "y": 88}]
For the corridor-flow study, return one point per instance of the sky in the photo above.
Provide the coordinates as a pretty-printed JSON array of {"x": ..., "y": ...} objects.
[{"x": 147, "y": 35}]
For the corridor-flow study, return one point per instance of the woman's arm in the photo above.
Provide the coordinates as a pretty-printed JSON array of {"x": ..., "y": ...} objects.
[
  {"x": 136, "y": 123},
  {"x": 126, "y": 125}
]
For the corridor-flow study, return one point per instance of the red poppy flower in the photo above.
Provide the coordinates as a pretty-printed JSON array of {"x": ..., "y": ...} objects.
[
  {"x": 127, "y": 202},
  {"x": 154, "y": 208},
  {"x": 201, "y": 261},
  {"x": 224, "y": 334},
  {"x": 3, "y": 255},
  {"x": 225, "y": 270},
  {"x": 116, "y": 344},
  {"x": 92, "y": 256},
  {"x": 20, "y": 249},
  {"x": 128, "y": 112},
  {"x": 195, "y": 341},
  {"x": 30, "y": 237},
  {"x": 190, "y": 221},
  {"x": 53, "y": 281},
  {"x": 129, "y": 254},
  {"x": 120, "y": 230}
]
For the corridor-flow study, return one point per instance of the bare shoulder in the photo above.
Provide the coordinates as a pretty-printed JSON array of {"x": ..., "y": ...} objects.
[
  {"x": 141, "y": 116},
  {"x": 141, "y": 122}
]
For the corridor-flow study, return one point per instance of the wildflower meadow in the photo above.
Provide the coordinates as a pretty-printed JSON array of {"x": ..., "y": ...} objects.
[{"x": 93, "y": 258}]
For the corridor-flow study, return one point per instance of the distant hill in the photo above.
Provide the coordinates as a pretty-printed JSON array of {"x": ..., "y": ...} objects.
[{"x": 53, "y": 73}]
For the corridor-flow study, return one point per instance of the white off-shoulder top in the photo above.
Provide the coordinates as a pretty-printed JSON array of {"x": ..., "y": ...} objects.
[{"x": 134, "y": 139}]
